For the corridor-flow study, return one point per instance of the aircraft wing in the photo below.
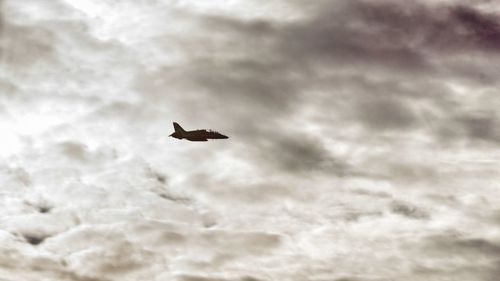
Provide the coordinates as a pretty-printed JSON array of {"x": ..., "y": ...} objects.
[{"x": 196, "y": 138}]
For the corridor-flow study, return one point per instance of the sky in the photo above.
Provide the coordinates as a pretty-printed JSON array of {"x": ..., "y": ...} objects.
[{"x": 363, "y": 141}]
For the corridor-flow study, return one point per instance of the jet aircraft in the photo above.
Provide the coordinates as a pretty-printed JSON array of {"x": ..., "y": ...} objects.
[{"x": 196, "y": 135}]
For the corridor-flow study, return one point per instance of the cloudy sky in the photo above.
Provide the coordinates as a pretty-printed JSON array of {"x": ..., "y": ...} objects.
[{"x": 364, "y": 140}]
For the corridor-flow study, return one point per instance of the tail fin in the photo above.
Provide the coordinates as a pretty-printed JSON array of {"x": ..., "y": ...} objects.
[{"x": 178, "y": 127}]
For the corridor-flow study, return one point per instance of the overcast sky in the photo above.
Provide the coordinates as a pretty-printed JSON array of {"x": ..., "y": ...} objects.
[{"x": 363, "y": 141}]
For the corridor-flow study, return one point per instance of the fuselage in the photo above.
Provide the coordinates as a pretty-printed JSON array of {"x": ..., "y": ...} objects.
[{"x": 198, "y": 135}]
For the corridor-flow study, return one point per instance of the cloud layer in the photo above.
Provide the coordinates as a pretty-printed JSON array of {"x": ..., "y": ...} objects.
[{"x": 363, "y": 140}]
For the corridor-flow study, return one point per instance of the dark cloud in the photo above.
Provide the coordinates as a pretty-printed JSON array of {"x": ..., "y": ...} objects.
[
  {"x": 26, "y": 44},
  {"x": 34, "y": 239},
  {"x": 296, "y": 153},
  {"x": 259, "y": 97},
  {"x": 326, "y": 36},
  {"x": 188, "y": 277},
  {"x": 257, "y": 85},
  {"x": 409, "y": 172},
  {"x": 481, "y": 127},
  {"x": 408, "y": 210},
  {"x": 481, "y": 256},
  {"x": 74, "y": 150},
  {"x": 463, "y": 246},
  {"x": 395, "y": 49},
  {"x": 472, "y": 127},
  {"x": 370, "y": 193},
  {"x": 442, "y": 27},
  {"x": 380, "y": 114},
  {"x": 3, "y": 46},
  {"x": 466, "y": 272},
  {"x": 275, "y": 74},
  {"x": 387, "y": 35},
  {"x": 481, "y": 29}
]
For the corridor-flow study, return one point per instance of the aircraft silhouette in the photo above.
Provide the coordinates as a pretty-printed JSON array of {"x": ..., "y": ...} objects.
[{"x": 196, "y": 135}]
